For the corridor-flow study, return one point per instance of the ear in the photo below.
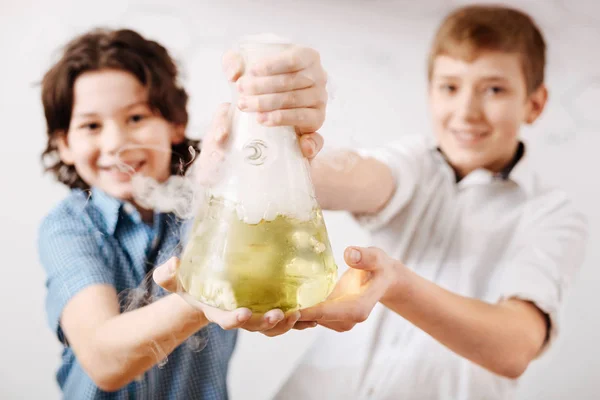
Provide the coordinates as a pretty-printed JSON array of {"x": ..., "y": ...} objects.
[
  {"x": 64, "y": 151},
  {"x": 537, "y": 102},
  {"x": 178, "y": 134}
]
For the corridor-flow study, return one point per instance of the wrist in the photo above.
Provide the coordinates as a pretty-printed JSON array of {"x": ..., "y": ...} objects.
[
  {"x": 193, "y": 317},
  {"x": 401, "y": 286}
]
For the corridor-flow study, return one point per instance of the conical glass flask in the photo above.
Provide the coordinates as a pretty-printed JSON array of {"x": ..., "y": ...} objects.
[{"x": 259, "y": 240}]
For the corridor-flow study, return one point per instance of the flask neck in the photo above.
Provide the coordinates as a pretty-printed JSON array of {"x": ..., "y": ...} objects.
[{"x": 255, "y": 48}]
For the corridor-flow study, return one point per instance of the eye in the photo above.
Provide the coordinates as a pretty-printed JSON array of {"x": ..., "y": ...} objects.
[
  {"x": 135, "y": 118},
  {"x": 90, "y": 126},
  {"x": 495, "y": 90},
  {"x": 448, "y": 87}
]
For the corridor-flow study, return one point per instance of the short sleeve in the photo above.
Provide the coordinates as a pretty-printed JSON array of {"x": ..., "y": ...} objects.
[
  {"x": 404, "y": 159},
  {"x": 550, "y": 251},
  {"x": 71, "y": 255}
]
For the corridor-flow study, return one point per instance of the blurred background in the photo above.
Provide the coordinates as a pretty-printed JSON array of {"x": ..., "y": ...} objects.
[{"x": 375, "y": 53}]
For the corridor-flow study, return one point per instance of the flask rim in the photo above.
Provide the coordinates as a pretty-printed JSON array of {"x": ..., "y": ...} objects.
[{"x": 262, "y": 40}]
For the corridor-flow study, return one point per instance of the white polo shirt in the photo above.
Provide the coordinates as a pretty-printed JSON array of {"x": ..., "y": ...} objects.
[{"x": 487, "y": 237}]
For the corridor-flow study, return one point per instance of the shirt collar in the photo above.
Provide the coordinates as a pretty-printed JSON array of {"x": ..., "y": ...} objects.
[
  {"x": 518, "y": 171},
  {"x": 522, "y": 172},
  {"x": 112, "y": 208}
]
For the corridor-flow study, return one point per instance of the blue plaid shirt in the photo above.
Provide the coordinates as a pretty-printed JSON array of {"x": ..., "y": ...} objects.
[{"x": 94, "y": 240}]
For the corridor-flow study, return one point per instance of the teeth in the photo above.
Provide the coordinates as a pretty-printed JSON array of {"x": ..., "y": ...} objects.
[
  {"x": 122, "y": 167},
  {"x": 468, "y": 135}
]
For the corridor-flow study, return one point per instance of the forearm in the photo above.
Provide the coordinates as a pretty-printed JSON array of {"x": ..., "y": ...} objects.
[
  {"x": 347, "y": 181},
  {"x": 129, "y": 344},
  {"x": 502, "y": 338}
]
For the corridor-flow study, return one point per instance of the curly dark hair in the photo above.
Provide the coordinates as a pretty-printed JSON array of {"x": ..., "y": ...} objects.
[{"x": 121, "y": 49}]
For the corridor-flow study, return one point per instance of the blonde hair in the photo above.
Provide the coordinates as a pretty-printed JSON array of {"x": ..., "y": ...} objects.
[{"x": 470, "y": 30}]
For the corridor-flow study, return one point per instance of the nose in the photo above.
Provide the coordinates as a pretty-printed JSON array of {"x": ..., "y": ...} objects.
[
  {"x": 114, "y": 137},
  {"x": 469, "y": 106}
]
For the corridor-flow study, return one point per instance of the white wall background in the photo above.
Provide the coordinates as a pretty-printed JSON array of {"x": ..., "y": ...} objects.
[{"x": 375, "y": 53}]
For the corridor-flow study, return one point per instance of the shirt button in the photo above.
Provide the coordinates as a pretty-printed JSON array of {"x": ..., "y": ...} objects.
[{"x": 371, "y": 391}]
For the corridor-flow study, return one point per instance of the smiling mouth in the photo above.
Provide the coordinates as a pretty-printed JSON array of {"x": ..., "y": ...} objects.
[
  {"x": 124, "y": 168},
  {"x": 469, "y": 137}
]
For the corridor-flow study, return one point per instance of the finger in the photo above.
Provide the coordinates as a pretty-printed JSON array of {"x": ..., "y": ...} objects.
[
  {"x": 338, "y": 326},
  {"x": 328, "y": 310},
  {"x": 311, "y": 144},
  {"x": 233, "y": 65},
  {"x": 273, "y": 317},
  {"x": 227, "y": 319},
  {"x": 254, "y": 85},
  {"x": 304, "y": 98},
  {"x": 207, "y": 167},
  {"x": 301, "y": 325},
  {"x": 264, "y": 322},
  {"x": 366, "y": 258},
  {"x": 355, "y": 309},
  {"x": 219, "y": 130},
  {"x": 304, "y": 119},
  {"x": 291, "y": 60},
  {"x": 283, "y": 326},
  {"x": 165, "y": 275}
]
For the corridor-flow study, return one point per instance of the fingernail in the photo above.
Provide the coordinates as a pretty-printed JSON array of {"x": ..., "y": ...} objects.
[
  {"x": 172, "y": 267},
  {"x": 242, "y": 315},
  {"x": 355, "y": 256},
  {"x": 312, "y": 145},
  {"x": 242, "y": 103},
  {"x": 240, "y": 87}
]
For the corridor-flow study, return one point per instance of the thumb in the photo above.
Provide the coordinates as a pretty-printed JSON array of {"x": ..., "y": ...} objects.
[
  {"x": 165, "y": 275},
  {"x": 366, "y": 258},
  {"x": 233, "y": 65},
  {"x": 220, "y": 125}
]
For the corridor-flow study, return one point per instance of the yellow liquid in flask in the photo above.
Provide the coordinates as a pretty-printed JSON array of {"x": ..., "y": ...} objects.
[{"x": 284, "y": 263}]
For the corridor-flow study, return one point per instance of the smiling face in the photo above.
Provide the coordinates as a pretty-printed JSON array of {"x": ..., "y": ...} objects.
[
  {"x": 113, "y": 133},
  {"x": 478, "y": 108}
]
